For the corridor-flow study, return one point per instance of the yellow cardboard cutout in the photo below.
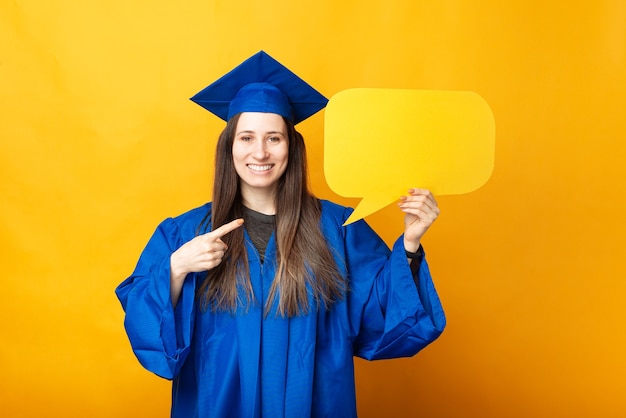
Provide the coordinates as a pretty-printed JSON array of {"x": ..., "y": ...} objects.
[{"x": 378, "y": 143}]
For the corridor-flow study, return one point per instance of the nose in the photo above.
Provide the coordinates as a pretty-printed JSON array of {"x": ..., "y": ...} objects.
[{"x": 260, "y": 150}]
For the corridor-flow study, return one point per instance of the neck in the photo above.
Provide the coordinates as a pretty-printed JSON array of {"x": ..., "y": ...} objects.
[{"x": 260, "y": 201}]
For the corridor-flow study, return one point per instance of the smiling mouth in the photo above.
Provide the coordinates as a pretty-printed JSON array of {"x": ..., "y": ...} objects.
[{"x": 260, "y": 168}]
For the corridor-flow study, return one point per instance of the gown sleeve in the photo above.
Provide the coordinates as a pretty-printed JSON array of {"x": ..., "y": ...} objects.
[
  {"x": 159, "y": 334},
  {"x": 394, "y": 305}
]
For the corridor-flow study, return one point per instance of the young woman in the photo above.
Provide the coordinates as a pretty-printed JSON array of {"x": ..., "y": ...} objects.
[{"x": 255, "y": 304}]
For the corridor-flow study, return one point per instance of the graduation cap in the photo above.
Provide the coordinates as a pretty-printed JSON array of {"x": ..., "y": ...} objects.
[{"x": 261, "y": 84}]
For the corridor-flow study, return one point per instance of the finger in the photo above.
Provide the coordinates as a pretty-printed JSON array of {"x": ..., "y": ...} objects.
[
  {"x": 217, "y": 245},
  {"x": 417, "y": 191},
  {"x": 423, "y": 192},
  {"x": 216, "y": 256},
  {"x": 226, "y": 228},
  {"x": 421, "y": 214},
  {"x": 420, "y": 207},
  {"x": 420, "y": 201}
]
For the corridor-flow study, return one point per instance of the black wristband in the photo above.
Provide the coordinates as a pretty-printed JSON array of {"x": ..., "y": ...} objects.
[{"x": 417, "y": 255}]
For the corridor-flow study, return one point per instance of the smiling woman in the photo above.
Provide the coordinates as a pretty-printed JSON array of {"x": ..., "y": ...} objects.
[
  {"x": 260, "y": 154},
  {"x": 257, "y": 319}
]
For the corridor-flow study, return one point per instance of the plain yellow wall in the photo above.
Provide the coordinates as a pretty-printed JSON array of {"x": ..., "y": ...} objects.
[{"x": 99, "y": 143}]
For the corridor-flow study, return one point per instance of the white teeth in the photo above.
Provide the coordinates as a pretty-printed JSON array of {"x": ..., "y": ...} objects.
[{"x": 259, "y": 167}]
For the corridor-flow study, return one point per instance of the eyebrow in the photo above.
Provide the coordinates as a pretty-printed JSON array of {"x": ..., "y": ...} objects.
[{"x": 266, "y": 133}]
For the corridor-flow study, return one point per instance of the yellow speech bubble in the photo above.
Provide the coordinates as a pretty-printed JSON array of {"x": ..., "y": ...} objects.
[{"x": 378, "y": 143}]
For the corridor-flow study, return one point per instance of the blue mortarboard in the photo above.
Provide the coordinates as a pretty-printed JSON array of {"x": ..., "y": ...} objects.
[{"x": 261, "y": 84}]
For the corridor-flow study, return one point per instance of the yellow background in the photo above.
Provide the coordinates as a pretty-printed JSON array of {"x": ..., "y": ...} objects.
[{"x": 100, "y": 142}]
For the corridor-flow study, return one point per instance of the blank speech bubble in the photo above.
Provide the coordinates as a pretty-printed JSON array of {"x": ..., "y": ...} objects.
[{"x": 378, "y": 143}]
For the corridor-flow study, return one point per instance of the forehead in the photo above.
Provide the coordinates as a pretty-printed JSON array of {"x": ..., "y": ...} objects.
[{"x": 261, "y": 122}]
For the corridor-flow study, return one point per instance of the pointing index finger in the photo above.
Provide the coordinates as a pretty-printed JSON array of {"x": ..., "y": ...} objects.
[{"x": 226, "y": 228}]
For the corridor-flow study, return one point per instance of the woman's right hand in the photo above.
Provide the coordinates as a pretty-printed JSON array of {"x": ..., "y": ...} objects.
[{"x": 202, "y": 253}]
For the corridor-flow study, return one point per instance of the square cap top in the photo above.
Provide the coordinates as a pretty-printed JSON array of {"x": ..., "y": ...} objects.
[{"x": 261, "y": 84}]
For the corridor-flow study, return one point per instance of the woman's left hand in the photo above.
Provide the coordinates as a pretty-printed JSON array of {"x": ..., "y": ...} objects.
[{"x": 421, "y": 210}]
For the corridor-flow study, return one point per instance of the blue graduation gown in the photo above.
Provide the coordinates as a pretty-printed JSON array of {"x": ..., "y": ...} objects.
[{"x": 248, "y": 365}]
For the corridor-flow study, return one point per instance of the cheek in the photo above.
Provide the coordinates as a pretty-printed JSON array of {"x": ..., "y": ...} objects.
[
  {"x": 237, "y": 161},
  {"x": 238, "y": 156},
  {"x": 285, "y": 154},
  {"x": 285, "y": 162},
  {"x": 236, "y": 153}
]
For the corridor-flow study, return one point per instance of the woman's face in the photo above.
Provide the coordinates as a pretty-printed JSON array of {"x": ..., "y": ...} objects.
[{"x": 260, "y": 151}]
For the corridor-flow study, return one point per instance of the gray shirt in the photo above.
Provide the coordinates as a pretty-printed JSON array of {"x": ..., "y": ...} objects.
[{"x": 260, "y": 227}]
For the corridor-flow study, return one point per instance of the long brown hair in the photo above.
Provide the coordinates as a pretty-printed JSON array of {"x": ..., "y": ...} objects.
[{"x": 304, "y": 258}]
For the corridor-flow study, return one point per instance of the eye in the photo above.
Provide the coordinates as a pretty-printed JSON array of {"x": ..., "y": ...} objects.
[
  {"x": 276, "y": 138},
  {"x": 245, "y": 138}
]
